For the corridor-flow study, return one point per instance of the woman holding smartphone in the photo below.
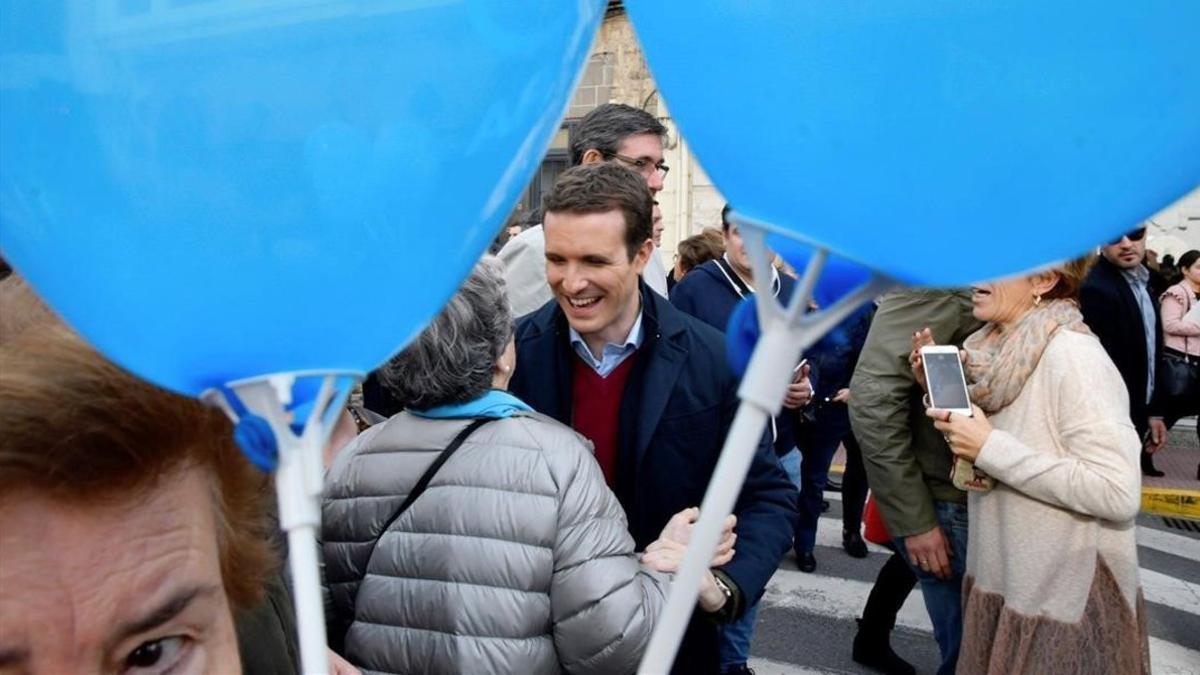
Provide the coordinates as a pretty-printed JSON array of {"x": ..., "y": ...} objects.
[{"x": 1052, "y": 574}]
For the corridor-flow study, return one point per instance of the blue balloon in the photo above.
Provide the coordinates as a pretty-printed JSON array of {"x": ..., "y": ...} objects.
[
  {"x": 838, "y": 278},
  {"x": 939, "y": 141},
  {"x": 216, "y": 191}
]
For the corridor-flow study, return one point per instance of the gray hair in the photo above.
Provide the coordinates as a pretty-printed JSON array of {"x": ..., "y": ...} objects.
[
  {"x": 606, "y": 126},
  {"x": 452, "y": 360}
]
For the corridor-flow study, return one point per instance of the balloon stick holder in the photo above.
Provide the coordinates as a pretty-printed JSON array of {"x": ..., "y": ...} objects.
[
  {"x": 785, "y": 333},
  {"x": 299, "y": 478}
]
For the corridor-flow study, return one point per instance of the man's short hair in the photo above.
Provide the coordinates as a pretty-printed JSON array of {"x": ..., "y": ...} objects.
[
  {"x": 604, "y": 187},
  {"x": 79, "y": 430},
  {"x": 725, "y": 211},
  {"x": 605, "y": 127}
]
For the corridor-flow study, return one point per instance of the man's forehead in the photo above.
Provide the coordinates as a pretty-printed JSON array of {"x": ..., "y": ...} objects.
[
  {"x": 641, "y": 146},
  {"x": 564, "y": 228}
]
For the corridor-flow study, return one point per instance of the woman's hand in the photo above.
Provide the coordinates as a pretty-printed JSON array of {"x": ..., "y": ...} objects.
[
  {"x": 679, "y": 529},
  {"x": 965, "y": 435},
  {"x": 921, "y": 338}
]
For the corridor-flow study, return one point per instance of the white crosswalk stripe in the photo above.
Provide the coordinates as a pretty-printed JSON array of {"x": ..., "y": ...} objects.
[{"x": 1184, "y": 547}]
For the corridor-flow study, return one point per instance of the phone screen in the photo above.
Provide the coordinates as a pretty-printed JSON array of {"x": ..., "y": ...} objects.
[{"x": 947, "y": 388}]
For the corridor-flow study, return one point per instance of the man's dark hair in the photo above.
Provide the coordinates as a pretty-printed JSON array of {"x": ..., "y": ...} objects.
[
  {"x": 604, "y": 187},
  {"x": 606, "y": 126},
  {"x": 725, "y": 211}
]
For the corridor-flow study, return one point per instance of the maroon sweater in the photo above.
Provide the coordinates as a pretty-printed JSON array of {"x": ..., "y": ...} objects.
[{"x": 596, "y": 409}]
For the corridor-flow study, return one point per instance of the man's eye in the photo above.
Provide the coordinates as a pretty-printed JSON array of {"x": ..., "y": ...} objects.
[
  {"x": 641, "y": 164},
  {"x": 155, "y": 656}
]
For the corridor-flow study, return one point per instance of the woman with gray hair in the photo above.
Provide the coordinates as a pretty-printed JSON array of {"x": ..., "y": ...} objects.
[{"x": 470, "y": 534}]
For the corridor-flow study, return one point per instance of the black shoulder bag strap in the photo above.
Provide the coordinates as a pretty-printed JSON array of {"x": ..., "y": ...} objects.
[{"x": 424, "y": 481}]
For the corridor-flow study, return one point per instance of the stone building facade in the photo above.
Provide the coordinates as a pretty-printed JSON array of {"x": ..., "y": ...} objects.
[{"x": 616, "y": 72}]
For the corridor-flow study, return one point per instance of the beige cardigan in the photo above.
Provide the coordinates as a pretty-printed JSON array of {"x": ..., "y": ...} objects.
[{"x": 1048, "y": 543}]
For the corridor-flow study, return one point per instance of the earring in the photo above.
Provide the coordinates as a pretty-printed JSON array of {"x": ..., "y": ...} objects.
[{"x": 1037, "y": 299}]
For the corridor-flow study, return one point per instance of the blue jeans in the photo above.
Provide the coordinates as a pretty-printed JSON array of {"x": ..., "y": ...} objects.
[
  {"x": 832, "y": 424},
  {"x": 733, "y": 639},
  {"x": 943, "y": 597},
  {"x": 733, "y": 642}
]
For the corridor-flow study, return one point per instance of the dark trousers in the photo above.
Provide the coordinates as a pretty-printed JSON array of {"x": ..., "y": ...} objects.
[
  {"x": 854, "y": 486},
  {"x": 892, "y": 586}
]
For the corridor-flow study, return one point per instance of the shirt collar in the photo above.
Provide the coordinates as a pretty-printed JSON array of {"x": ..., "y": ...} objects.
[
  {"x": 1139, "y": 275},
  {"x": 632, "y": 341}
]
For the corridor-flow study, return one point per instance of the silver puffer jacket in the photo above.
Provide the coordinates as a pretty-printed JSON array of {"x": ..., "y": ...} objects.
[{"x": 516, "y": 559}]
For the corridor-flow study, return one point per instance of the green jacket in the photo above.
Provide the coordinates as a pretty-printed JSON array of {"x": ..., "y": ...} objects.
[{"x": 907, "y": 461}]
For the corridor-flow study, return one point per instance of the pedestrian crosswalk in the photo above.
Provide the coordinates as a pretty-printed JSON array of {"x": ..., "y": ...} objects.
[{"x": 806, "y": 621}]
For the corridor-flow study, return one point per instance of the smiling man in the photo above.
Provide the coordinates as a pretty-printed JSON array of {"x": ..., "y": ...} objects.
[
  {"x": 646, "y": 383},
  {"x": 612, "y": 132}
]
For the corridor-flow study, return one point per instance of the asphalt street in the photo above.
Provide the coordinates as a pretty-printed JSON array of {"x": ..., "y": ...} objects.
[{"x": 806, "y": 621}]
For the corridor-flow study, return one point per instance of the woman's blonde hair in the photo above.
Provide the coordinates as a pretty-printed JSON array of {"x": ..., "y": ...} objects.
[{"x": 1071, "y": 275}]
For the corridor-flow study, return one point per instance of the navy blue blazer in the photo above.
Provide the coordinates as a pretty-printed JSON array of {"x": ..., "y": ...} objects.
[
  {"x": 1112, "y": 313},
  {"x": 708, "y": 295},
  {"x": 677, "y": 409}
]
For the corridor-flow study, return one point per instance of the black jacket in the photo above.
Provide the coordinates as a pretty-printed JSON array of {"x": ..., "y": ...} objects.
[
  {"x": 678, "y": 405},
  {"x": 1112, "y": 313},
  {"x": 708, "y": 294}
]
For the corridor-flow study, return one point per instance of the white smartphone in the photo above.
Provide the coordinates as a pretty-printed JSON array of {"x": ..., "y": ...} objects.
[{"x": 945, "y": 379}]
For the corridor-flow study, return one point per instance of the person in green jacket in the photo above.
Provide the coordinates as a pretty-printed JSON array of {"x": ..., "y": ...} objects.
[{"x": 908, "y": 462}]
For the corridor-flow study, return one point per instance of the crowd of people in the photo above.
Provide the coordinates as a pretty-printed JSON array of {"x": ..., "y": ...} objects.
[{"x": 520, "y": 483}]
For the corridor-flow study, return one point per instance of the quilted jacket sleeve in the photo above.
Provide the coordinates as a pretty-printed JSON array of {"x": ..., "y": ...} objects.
[{"x": 603, "y": 602}]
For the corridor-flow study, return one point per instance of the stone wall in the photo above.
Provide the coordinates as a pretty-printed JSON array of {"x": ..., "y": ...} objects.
[{"x": 616, "y": 72}]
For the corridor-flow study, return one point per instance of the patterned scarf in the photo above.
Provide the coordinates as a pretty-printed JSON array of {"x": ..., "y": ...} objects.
[{"x": 1000, "y": 360}]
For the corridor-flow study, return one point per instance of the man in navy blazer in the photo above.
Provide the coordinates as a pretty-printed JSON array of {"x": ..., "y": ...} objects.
[
  {"x": 1119, "y": 306},
  {"x": 649, "y": 386}
]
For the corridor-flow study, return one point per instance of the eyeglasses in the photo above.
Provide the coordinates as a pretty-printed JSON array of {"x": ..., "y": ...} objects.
[
  {"x": 642, "y": 166},
  {"x": 1132, "y": 235}
]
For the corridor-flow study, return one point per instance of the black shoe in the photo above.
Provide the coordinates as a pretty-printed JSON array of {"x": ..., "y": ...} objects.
[
  {"x": 833, "y": 484},
  {"x": 871, "y": 649},
  {"x": 853, "y": 542},
  {"x": 738, "y": 670},
  {"x": 824, "y": 505},
  {"x": 1148, "y": 468},
  {"x": 807, "y": 561}
]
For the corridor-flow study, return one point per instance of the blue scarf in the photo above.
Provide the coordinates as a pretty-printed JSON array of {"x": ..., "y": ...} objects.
[{"x": 494, "y": 403}]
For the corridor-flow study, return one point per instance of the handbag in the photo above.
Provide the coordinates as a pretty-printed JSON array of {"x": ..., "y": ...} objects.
[
  {"x": 1178, "y": 373},
  {"x": 874, "y": 530}
]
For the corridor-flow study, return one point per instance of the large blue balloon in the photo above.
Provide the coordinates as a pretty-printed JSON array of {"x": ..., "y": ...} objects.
[
  {"x": 942, "y": 141},
  {"x": 216, "y": 190}
]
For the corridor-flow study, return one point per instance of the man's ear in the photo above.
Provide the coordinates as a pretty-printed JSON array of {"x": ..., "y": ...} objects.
[
  {"x": 642, "y": 256},
  {"x": 592, "y": 156}
]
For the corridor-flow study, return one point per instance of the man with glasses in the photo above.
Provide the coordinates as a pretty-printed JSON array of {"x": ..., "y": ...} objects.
[
  {"x": 613, "y": 132},
  {"x": 1120, "y": 307}
]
